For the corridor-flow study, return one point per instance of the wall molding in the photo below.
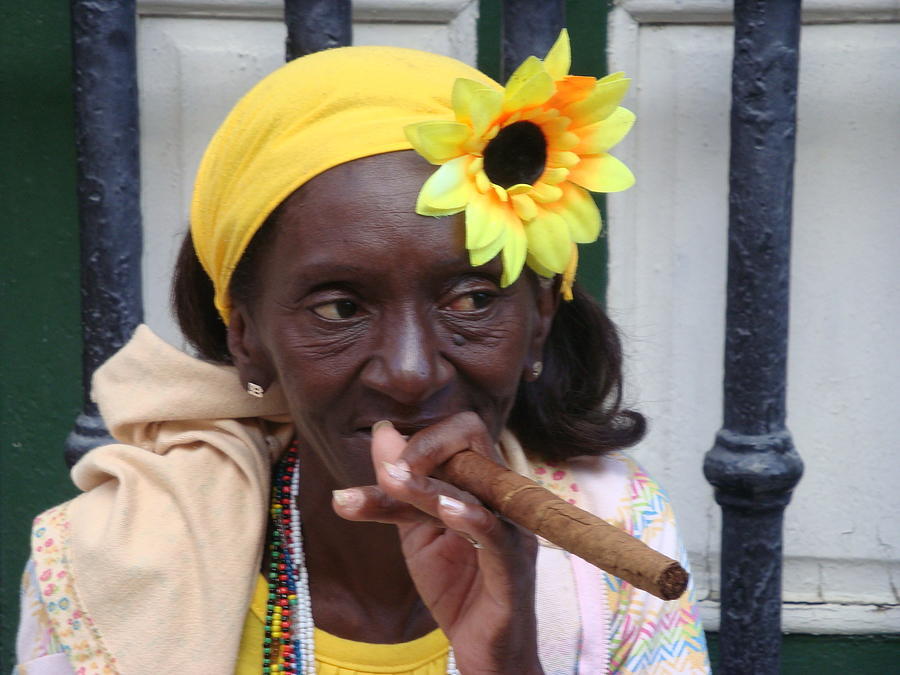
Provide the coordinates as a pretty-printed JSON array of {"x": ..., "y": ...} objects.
[
  {"x": 719, "y": 11},
  {"x": 371, "y": 11},
  {"x": 821, "y": 618}
]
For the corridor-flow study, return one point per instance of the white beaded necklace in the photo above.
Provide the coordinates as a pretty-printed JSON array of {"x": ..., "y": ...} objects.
[{"x": 303, "y": 627}]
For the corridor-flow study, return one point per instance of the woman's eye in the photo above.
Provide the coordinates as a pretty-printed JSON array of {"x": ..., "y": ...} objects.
[
  {"x": 339, "y": 309},
  {"x": 471, "y": 302}
]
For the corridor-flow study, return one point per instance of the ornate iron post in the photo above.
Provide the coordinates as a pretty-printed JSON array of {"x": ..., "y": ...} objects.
[
  {"x": 314, "y": 25},
  {"x": 753, "y": 464},
  {"x": 106, "y": 126},
  {"x": 528, "y": 27}
]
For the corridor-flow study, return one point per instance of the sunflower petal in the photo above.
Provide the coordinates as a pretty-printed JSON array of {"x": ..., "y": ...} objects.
[
  {"x": 545, "y": 193},
  {"x": 566, "y": 141},
  {"x": 601, "y": 136},
  {"x": 554, "y": 176},
  {"x": 571, "y": 89},
  {"x": 602, "y": 173},
  {"x": 529, "y": 86},
  {"x": 463, "y": 96},
  {"x": 485, "y": 219},
  {"x": 513, "y": 256},
  {"x": 537, "y": 267},
  {"x": 425, "y": 210},
  {"x": 562, "y": 158},
  {"x": 437, "y": 141},
  {"x": 484, "y": 108},
  {"x": 524, "y": 206},
  {"x": 527, "y": 69},
  {"x": 578, "y": 208},
  {"x": 559, "y": 58},
  {"x": 485, "y": 254},
  {"x": 548, "y": 241},
  {"x": 601, "y": 102},
  {"x": 482, "y": 182},
  {"x": 612, "y": 77},
  {"x": 447, "y": 190},
  {"x": 569, "y": 275}
]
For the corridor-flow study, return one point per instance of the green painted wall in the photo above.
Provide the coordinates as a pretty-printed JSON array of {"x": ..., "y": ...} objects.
[
  {"x": 831, "y": 654},
  {"x": 40, "y": 343}
]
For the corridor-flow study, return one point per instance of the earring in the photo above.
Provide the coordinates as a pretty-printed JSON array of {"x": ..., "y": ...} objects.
[
  {"x": 255, "y": 390},
  {"x": 537, "y": 369}
]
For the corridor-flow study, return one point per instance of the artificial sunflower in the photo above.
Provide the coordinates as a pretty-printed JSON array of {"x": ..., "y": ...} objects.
[{"x": 520, "y": 162}]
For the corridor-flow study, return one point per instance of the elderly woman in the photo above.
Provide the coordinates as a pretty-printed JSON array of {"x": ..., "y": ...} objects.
[{"x": 360, "y": 317}]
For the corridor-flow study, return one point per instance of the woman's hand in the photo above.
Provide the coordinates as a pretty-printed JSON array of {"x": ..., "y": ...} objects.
[{"x": 474, "y": 571}]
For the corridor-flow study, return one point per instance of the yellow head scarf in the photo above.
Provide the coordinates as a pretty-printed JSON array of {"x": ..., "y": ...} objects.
[{"x": 306, "y": 117}]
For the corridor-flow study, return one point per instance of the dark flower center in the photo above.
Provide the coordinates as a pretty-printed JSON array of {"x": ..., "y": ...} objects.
[{"x": 516, "y": 155}]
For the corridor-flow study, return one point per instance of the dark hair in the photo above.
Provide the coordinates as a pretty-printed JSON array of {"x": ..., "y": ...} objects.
[
  {"x": 193, "y": 293},
  {"x": 574, "y": 408}
]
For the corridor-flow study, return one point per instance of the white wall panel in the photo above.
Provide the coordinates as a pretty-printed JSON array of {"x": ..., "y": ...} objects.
[
  {"x": 667, "y": 289},
  {"x": 196, "y": 58}
]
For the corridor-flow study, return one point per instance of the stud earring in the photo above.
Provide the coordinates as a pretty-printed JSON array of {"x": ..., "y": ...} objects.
[
  {"x": 255, "y": 390},
  {"x": 537, "y": 369}
]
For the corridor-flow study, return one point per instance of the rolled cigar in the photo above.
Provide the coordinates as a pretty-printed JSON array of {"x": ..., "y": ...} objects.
[{"x": 526, "y": 503}]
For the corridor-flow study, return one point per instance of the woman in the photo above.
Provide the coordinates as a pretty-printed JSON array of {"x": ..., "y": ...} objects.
[{"x": 359, "y": 318}]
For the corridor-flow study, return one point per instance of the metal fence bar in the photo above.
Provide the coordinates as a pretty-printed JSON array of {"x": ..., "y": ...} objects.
[
  {"x": 753, "y": 464},
  {"x": 529, "y": 27},
  {"x": 107, "y": 138},
  {"x": 314, "y": 25}
]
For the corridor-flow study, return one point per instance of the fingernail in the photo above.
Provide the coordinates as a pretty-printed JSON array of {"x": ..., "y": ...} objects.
[
  {"x": 451, "y": 505},
  {"x": 399, "y": 471},
  {"x": 348, "y": 498},
  {"x": 381, "y": 424}
]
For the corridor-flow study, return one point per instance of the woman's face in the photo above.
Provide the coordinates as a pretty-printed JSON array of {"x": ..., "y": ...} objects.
[{"x": 367, "y": 311}]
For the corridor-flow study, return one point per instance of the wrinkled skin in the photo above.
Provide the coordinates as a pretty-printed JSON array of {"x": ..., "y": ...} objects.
[{"x": 366, "y": 311}]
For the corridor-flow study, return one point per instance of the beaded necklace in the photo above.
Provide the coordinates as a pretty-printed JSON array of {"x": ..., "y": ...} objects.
[{"x": 288, "y": 645}]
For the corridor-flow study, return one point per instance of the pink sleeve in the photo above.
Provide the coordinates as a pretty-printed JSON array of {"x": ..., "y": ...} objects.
[{"x": 649, "y": 635}]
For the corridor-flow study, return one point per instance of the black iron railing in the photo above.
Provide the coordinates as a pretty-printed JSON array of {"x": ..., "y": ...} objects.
[
  {"x": 529, "y": 27},
  {"x": 106, "y": 128},
  {"x": 753, "y": 464},
  {"x": 314, "y": 25}
]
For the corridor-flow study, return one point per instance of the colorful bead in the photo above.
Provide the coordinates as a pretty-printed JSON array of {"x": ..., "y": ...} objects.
[
  {"x": 280, "y": 644},
  {"x": 288, "y": 643}
]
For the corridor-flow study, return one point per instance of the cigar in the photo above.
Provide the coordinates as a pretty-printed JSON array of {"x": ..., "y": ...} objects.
[{"x": 527, "y": 504}]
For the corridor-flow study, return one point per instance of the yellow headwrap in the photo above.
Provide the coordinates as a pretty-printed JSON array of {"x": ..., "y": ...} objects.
[
  {"x": 306, "y": 117},
  {"x": 343, "y": 104}
]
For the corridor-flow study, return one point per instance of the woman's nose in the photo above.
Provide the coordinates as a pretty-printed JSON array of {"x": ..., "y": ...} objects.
[{"x": 407, "y": 364}]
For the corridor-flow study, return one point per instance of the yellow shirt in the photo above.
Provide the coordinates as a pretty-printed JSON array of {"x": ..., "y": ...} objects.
[{"x": 337, "y": 656}]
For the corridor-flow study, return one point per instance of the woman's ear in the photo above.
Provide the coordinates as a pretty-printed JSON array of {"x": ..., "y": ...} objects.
[
  {"x": 546, "y": 303},
  {"x": 247, "y": 353}
]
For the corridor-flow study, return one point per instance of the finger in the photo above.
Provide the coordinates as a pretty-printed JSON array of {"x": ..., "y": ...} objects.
[
  {"x": 431, "y": 447},
  {"x": 499, "y": 543},
  {"x": 483, "y": 529},
  {"x": 370, "y": 504},
  {"x": 422, "y": 492},
  {"x": 387, "y": 443}
]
